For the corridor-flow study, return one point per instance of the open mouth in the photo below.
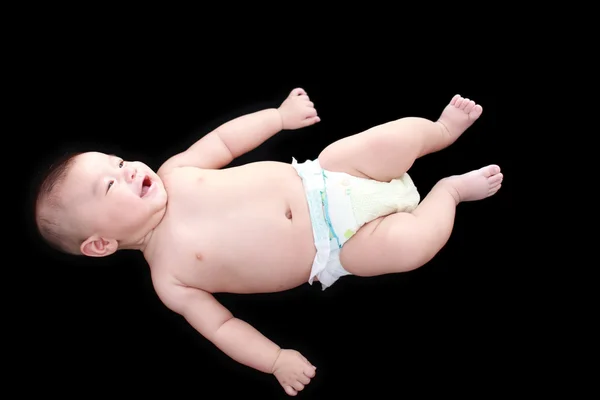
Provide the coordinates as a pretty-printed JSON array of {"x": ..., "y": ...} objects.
[{"x": 146, "y": 184}]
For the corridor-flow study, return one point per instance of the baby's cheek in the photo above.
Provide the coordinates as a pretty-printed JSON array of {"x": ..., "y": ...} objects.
[{"x": 123, "y": 209}]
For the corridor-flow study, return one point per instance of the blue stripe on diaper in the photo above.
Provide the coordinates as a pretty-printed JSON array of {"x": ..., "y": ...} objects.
[{"x": 326, "y": 210}]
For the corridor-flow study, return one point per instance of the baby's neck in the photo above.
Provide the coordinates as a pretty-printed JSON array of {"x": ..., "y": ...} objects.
[
  {"x": 141, "y": 240},
  {"x": 139, "y": 244}
]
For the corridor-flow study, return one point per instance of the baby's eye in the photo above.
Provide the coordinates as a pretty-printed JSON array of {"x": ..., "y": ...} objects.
[{"x": 121, "y": 164}]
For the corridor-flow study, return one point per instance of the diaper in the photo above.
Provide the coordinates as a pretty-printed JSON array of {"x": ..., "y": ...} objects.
[{"x": 340, "y": 204}]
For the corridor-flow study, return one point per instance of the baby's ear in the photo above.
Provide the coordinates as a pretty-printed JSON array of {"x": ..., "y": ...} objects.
[{"x": 96, "y": 246}]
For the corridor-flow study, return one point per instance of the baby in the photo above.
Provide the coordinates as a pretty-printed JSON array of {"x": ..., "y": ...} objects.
[{"x": 264, "y": 226}]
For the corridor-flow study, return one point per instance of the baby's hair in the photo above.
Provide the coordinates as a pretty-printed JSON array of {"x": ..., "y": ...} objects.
[{"x": 50, "y": 209}]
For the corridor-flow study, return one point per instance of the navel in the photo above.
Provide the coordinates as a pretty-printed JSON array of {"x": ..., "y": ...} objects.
[{"x": 288, "y": 214}]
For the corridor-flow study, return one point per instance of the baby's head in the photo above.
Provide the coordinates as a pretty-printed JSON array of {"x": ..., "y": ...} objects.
[{"x": 95, "y": 204}]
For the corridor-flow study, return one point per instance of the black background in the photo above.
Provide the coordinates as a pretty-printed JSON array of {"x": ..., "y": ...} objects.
[{"x": 97, "y": 325}]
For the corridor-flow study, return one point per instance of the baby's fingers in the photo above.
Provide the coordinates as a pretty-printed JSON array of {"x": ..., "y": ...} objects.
[
  {"x": 290, "y": 390},
  {"x": 298, "y": 385},
  {"x": 304, "y": 379},
  {"x": 310, "y": 113},
  {"x": 298, "y": 92},
  {"x": 306, "y": 361},
  {"x": 310, "y": 121},
  {"x": 310, "y": 372}
]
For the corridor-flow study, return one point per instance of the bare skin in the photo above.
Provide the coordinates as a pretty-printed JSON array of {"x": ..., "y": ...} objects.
[
  {"x": 240, "y": 230},
  {"x": 405, "y": 241},
  {"x": 247, "y": 229}
]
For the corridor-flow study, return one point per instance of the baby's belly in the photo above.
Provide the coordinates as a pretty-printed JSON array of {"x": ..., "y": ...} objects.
[
  {"x": 267, "y": 254},
  {"x": 252, "y": 231}
]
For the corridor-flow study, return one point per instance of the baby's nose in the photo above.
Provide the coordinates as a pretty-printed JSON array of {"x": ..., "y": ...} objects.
[{"x": 130, "y": 174}]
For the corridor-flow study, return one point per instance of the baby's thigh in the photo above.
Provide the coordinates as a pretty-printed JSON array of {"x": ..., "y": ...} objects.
[
  {"x": 343, "y": 155},
  {"x": 361, "y": 250},
  {"x": 385, "y": 245}
]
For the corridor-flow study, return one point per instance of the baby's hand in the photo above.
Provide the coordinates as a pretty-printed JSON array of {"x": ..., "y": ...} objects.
[
  {"x": 297, "y": 111},
  {"x": 293, "y": 371}
]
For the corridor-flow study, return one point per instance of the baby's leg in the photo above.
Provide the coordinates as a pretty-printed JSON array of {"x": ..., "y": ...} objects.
[
  {"x": 387, "y": 151},
  {"x": 404, "y": 241}
]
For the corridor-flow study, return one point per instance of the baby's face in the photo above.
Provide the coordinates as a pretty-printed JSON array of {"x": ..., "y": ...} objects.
[{"x": 114, "y": 198}]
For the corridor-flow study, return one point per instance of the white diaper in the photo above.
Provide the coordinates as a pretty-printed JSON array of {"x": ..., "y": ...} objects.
[{"x": 340, "y": 204}]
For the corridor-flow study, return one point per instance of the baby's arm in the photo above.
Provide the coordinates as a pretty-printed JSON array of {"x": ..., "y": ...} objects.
[
  {"x": 247, "y": 132},
  {"x": 236, "y": 338},
  {"x": 243, "y": 134},
  {"x": 232, "y": 139},
  {"x": 211, "y": 319}
]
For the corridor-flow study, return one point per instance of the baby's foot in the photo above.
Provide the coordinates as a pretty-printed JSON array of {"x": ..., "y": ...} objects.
[
  {"x": 475, "y": 185},
  {"x": 459, "y": 115}
]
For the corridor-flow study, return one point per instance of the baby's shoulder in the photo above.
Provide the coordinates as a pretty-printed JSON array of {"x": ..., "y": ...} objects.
[
  {"x": 179, "y": 164},
  {"x": 171, "y": 169},
  {"x": 166, "y": 262},
  {"x": 167, "y": 287},
  {"x": 179, "y": 176}
]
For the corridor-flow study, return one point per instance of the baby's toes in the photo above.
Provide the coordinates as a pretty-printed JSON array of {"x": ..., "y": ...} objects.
[{"x": 495, "y": 179}]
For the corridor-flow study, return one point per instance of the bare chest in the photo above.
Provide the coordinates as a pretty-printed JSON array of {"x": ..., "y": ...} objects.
[{"x": 238, "y": 232}]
